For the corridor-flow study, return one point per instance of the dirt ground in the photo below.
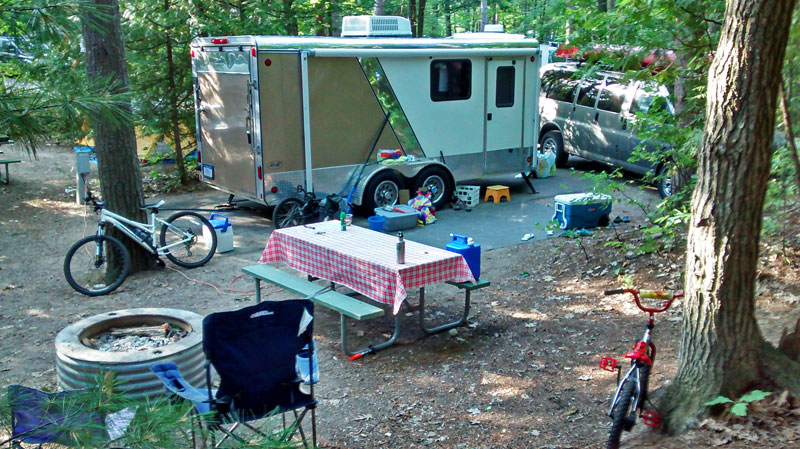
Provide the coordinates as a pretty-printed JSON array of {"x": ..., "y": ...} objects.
[{"x": 523, "y": 373}]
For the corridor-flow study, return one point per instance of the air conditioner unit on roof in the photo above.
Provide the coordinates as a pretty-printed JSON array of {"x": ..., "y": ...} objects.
[{"x": 375, "y": 26}]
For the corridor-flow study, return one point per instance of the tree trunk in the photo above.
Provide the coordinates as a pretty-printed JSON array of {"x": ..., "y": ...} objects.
[
  {"x": 602, "y": 5},
  {"x": 787, "y": 124},
  {"x": 379, "y": 7},
  {"x": 448, "y": 20},
  {"x": 412, "y": 16},
  {"x": 115, "y": 139},
  {"x": 421, "y": 18},
  {"x": 174, "y": 105},
  {"x": 484, "y": 9},
  {"x": 722, "y": 350},
  {"x": 290, "y": 18}
]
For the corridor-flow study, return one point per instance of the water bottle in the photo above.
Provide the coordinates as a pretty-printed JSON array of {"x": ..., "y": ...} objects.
[{"x": 401, "y": 249}]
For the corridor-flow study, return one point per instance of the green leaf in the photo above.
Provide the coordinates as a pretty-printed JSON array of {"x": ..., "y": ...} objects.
[
  {"x": 718, "y": 400},
  {"x": 755, "y": 395},
  {"x": 739, "y": 409}
]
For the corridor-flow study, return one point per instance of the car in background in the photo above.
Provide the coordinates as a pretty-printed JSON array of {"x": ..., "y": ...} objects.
[{"x": 591, "y": 114}]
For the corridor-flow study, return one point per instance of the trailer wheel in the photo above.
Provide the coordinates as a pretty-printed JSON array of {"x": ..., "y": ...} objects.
[
  {"x": 382, "y": 190},
  {"x": 437, "y": 181}
]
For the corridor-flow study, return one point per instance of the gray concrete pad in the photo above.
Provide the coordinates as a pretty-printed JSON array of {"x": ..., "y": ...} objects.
[{"x": 491, "y": 225}]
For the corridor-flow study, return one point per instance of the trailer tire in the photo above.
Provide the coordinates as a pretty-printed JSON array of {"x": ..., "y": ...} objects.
[
  {"x": 382, "y": 190},
  {"x": 436, "y": 179}
]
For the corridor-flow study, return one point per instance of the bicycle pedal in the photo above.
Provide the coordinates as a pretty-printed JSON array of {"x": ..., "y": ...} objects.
[
  {"x": 651, "y": 419},
  {"x": 608, "y": 364}
]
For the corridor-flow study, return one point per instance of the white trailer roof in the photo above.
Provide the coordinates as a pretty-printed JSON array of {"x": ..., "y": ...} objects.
[{"x": 322, "y": 42}]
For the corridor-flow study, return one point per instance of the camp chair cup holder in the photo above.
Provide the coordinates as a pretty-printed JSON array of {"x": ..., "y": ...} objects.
[{"x": 307, "y": 370}]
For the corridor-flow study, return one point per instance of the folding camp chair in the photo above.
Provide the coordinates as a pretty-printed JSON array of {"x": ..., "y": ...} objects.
[
  {"x": 254, "y": 352},
  {"x": 61, "y": 418}
]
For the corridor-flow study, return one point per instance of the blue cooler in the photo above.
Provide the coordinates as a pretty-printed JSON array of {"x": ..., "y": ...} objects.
[
  {"x": 469, "y": 249},
  {"x": 581, "y": 210}
]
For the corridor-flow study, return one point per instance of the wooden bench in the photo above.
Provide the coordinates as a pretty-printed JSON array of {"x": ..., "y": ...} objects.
[
  {"x": 344, "y": 304},
  {"x": 6, "y": 162}
]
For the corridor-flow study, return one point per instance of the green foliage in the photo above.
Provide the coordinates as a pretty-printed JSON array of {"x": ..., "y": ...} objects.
[
  {"x": 156, "y": 423},
  {"x": 739, "y": 407}
]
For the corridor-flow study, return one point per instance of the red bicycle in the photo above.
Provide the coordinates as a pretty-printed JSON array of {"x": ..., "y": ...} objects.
[{"x": 631, "y": 393}]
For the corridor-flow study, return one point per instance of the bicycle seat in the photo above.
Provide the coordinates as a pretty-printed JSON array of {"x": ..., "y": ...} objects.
[{"x": 154, "y": 205}]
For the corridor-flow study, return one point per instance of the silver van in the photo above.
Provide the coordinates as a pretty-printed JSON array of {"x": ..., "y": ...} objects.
[{"x": 591, "y": 116}]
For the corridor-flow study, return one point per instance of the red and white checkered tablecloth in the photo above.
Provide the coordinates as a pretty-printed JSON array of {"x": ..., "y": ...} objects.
[{"x": 364, "y": 260}]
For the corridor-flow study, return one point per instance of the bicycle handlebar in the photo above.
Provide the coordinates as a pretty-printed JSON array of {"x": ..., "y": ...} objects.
[{"x": 650, "y": 294}]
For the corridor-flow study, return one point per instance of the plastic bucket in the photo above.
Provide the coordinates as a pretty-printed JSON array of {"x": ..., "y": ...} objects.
[{"x": 376, "y": 223}]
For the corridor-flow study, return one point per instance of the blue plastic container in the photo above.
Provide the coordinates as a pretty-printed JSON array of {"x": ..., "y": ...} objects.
[
  {"x": 470, "y": 250},
  {"x": 219, "y": 221},
  {"x": 581, "y": 210},
  {"x": 376, "y": 222}
]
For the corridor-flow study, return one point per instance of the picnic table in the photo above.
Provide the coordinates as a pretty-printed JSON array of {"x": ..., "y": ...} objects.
[
  {"x": 365, "y": 262},
  {"x": 6, "y": 141}
]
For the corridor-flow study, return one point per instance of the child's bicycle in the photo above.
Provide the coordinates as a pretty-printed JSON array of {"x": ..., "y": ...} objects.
[
  {"x": 631, "y": 393},
  {"x": 98, "y": 264}
]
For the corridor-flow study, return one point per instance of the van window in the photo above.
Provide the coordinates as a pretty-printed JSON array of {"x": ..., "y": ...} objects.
[
  {"x": 559, "y": 85},
  {"x": 611, "y": 97},
  {"x": 504, "y": 94},
  {"x": 451, "y": 79},
  {"x": 588, "y": 93},
  {"x": 646, "y": 96}
]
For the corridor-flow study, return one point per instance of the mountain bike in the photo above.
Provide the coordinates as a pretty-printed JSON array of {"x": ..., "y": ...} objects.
[
  {"x": 631, "y": 392},
  {"x": 293, "y": 211},
  {"x": 98, "y": 264}
]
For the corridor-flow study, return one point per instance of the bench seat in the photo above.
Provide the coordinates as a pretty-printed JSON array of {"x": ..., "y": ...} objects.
[{"x": 344, "y": 304}]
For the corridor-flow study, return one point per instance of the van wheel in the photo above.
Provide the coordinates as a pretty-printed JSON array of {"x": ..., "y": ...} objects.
[
  {"x": 436, "y": 180},
  {"x": 552, "y": 141},
  {"x": 382, "y": 190},
  {"x": 664, "y": 180}
]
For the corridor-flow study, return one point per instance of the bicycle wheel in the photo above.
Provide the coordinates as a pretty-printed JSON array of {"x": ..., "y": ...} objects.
[
  {"x": 96, "y": 265},
  {"x": 624, "y": 414},
  {"x": 289, "y": 212},
  {"x": 188, "y": 239}
]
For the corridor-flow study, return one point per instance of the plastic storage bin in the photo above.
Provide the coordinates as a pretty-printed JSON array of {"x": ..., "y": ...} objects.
[
  {"x": 398, "y": 218},
  {"x": 470, "y": 250},
  {"x": 470, "y": 195},
  {"x": 581, "y": 210},
  {"x": 224, "y": 229}
]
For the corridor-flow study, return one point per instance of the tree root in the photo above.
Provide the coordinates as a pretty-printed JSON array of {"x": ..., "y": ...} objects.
[{"x": 682, "y": 405}]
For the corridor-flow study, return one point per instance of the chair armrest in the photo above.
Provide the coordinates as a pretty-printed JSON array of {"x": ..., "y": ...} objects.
[{"x": 174, "y": 383}]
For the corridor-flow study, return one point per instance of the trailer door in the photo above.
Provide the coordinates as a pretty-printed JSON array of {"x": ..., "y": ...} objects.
[
  {"x": 225, "y": 120},
  {"x": 504, "y": 104}
]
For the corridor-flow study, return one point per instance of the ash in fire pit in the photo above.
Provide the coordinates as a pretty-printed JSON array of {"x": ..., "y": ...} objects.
[{"x": 130, "y": 339}]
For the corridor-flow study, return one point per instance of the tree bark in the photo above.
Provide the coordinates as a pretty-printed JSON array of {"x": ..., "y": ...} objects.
[
  {"x": 115, "y": 139},
  {"x": 722, "y": 350},
  {"x": 174, "y": 105},
  {"x": 448, "y": 19},
  {"x": 412, "y": 16},
  {"x": 787, "y": 124},
  {"x": 421, "y": 18},
  {"x": 484, "y": 9},
  {"x": 379, "y": 4}
]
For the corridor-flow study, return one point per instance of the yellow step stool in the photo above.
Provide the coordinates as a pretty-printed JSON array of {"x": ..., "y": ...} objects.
[{"x": 496, "y": 193}]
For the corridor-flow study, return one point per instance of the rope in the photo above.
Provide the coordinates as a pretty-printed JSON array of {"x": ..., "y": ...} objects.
[{"x": 231, "y": 291}]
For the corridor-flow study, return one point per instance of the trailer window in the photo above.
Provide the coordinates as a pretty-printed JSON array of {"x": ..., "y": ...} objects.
[
  {"x": 451, "y": 79},
  {"x": 504, "y": 94}
]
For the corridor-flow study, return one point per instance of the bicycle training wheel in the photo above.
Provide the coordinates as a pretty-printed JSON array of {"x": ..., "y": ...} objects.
[
  {"x": 96, "y": 265},
  {"x": 289, "y": 212},
  {"x": 624, "y": 415},
  {"x": 188, "y": 239}
]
